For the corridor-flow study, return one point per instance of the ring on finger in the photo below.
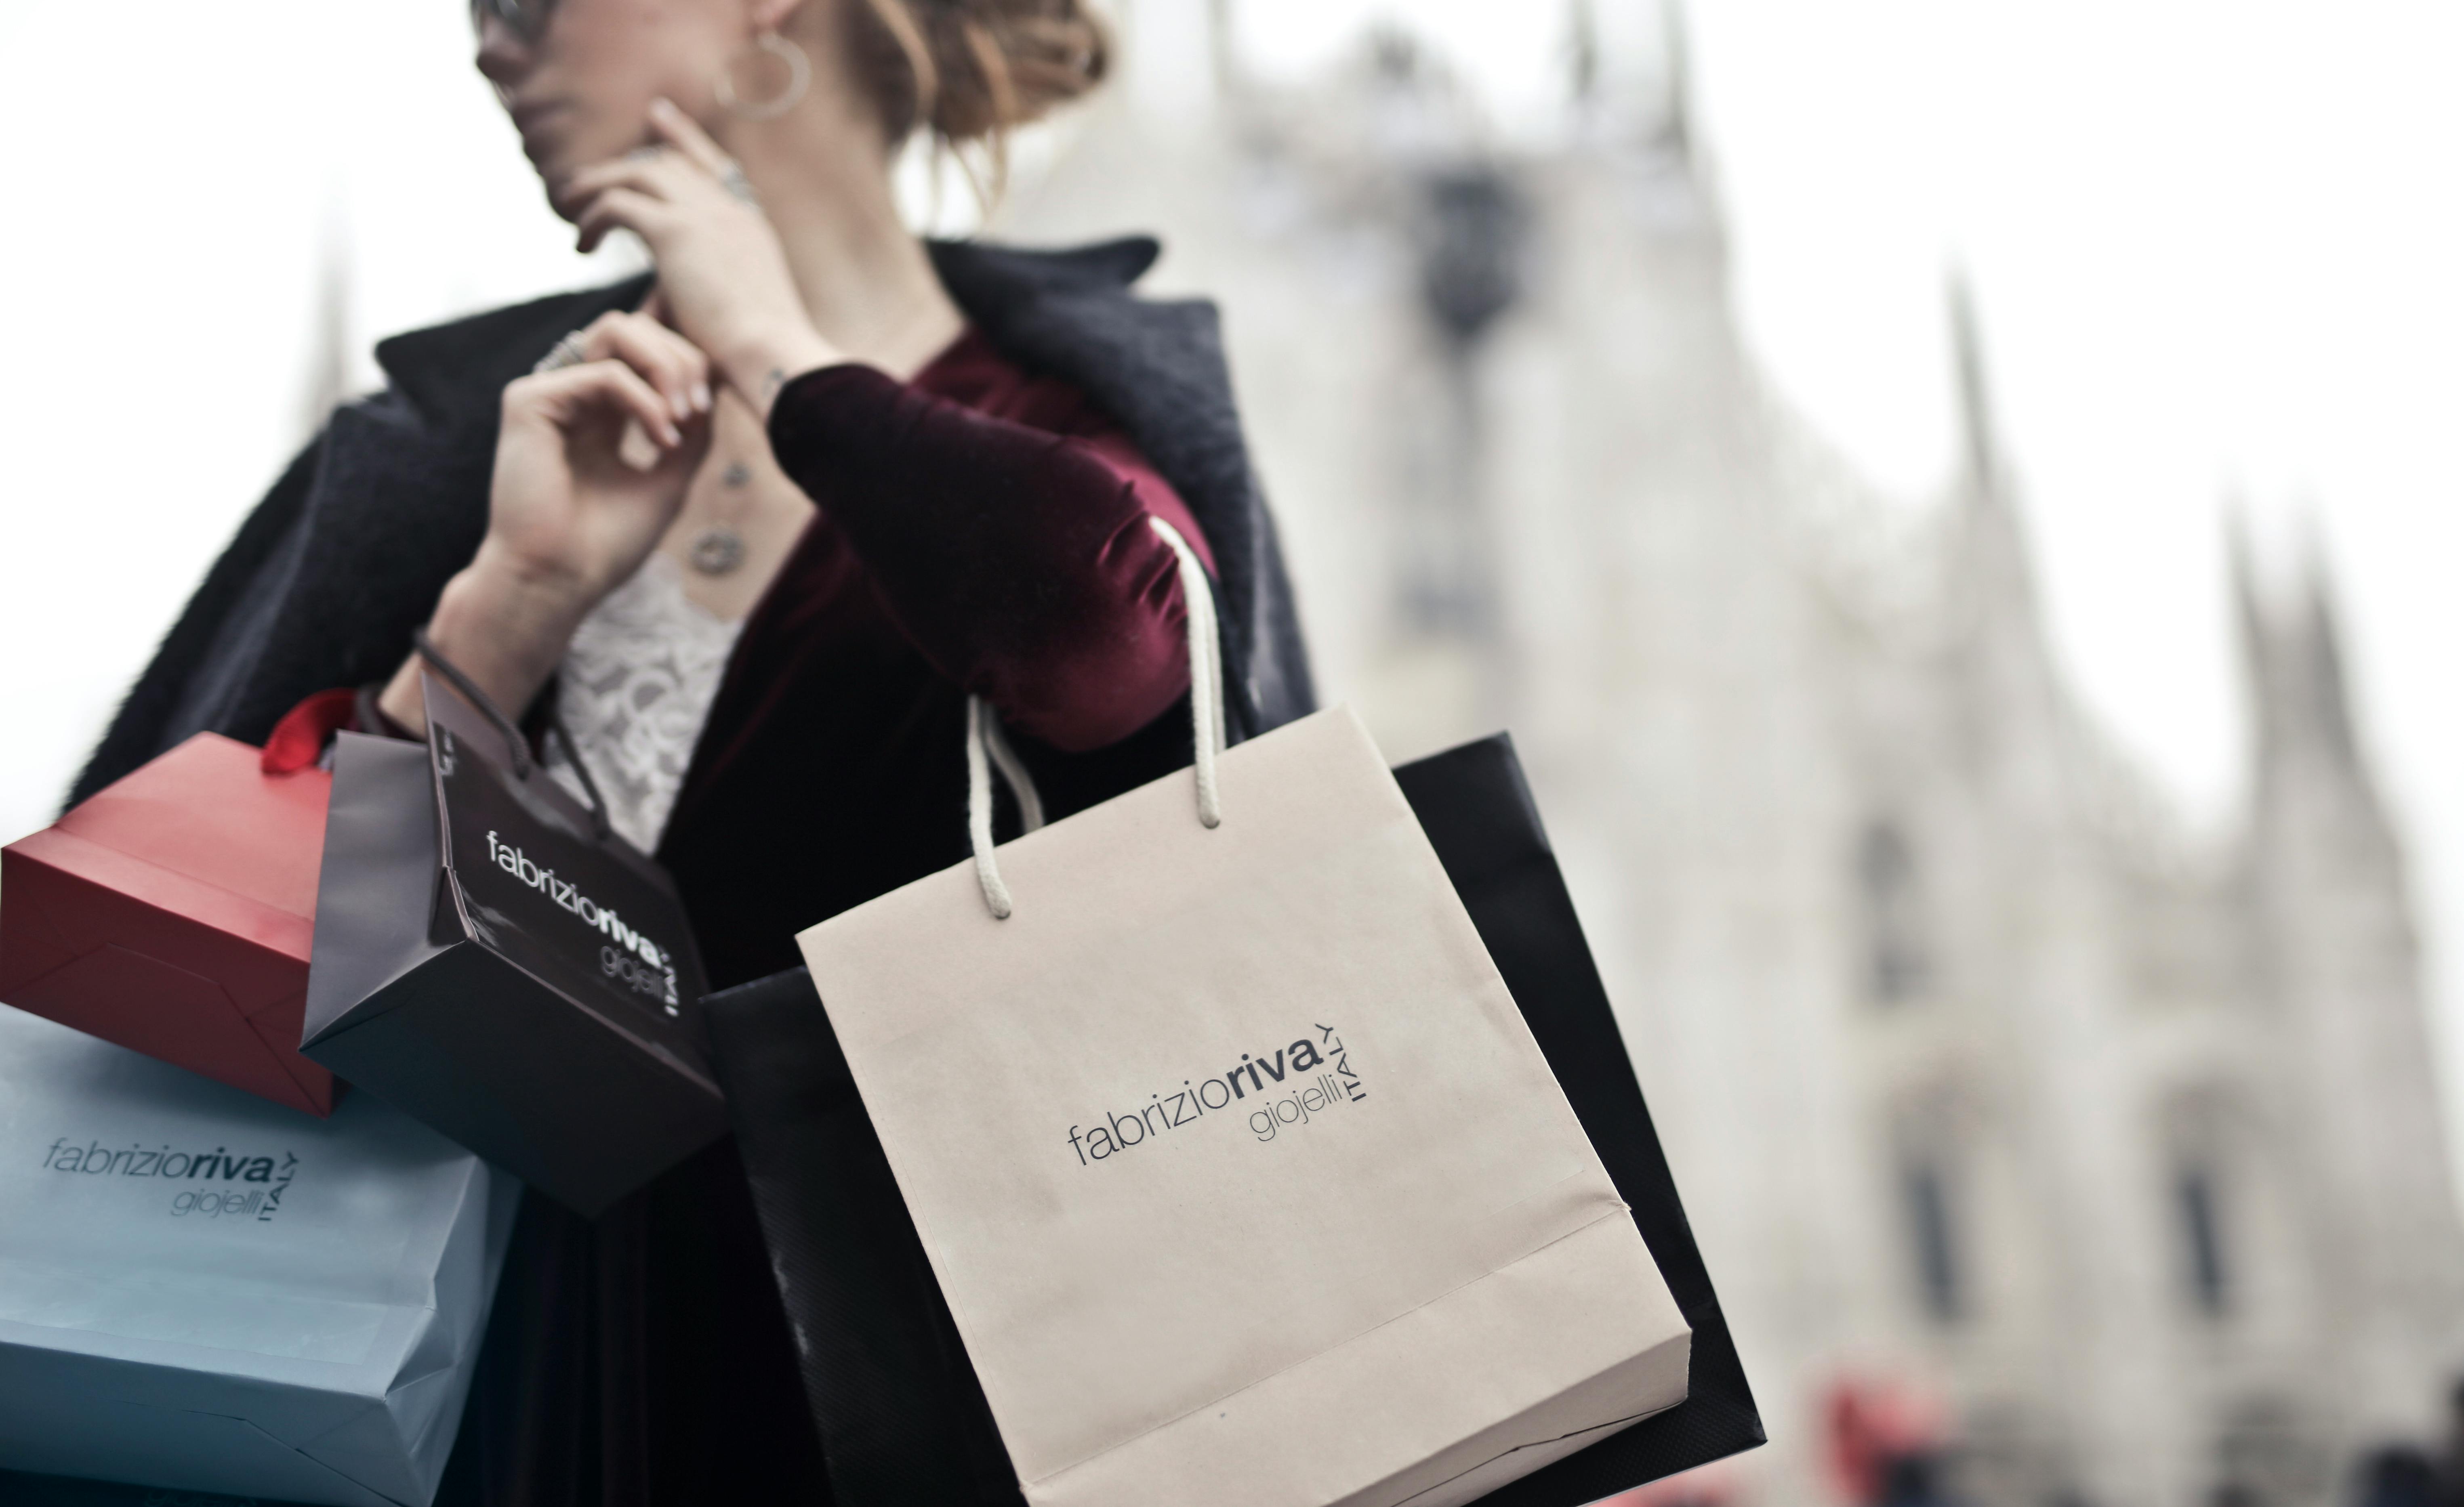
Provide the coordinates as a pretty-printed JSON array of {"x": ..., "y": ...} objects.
[
  {"x": 566, "y": 352},
  {"x": 733, "y": 180}
]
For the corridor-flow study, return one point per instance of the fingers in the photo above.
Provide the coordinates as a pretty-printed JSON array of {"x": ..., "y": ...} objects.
[
  {"x": 564, "y": 397},
  {"x": 668, "y": 361},
  {"x": 673, "y": 175},
  {"x": 654, "y": 173},
  {"x": 685, "y": 134},
  {"x": 624, "y": 209},
  {"x": 690, "y": 161}
]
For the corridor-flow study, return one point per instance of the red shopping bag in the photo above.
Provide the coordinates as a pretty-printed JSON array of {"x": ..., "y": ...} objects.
[{"x": 171, "y": 915}]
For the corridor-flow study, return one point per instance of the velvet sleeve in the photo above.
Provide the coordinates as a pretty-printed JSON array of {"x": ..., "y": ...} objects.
[{"x": 1019, "y": 563}]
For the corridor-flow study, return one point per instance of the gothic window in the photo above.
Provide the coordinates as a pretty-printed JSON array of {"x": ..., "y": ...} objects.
[
  {"x": 2201, "y": 1226},
  {"x": 1895, "y": 964},
  {"x": 1932, "y": 1239}
]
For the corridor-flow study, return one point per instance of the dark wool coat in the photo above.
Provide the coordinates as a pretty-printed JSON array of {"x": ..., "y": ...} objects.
[
  {"x": 645, "y": 1358},
  {"x": 347, "y": 553}
]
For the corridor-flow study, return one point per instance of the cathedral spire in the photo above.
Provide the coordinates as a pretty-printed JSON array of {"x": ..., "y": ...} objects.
[
  {"x": 1222, "y": 48},
  {"x": 2292, "y": 654},
  {"x": 1583, "y": 47},
  {"x": 1677, "y": 126},
  {"x": 2322, "y": 651},
  {"x": 1993, "y": 560},
  {"x": 1980, "y": 444},
  {"x": 2249, "y": 616}
]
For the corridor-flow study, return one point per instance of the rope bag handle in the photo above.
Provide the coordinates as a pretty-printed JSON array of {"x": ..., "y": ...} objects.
[
  {"x": 516, "y": 745},
  {"x": 988, "y": 751}
]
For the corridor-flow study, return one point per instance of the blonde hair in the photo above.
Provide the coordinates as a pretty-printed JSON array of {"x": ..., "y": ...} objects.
[{"x": 969, "y": 72}]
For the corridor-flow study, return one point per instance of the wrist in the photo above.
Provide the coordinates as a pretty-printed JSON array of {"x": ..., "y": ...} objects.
[
  {"x": 507, "y": 585},
  {"x": 504, "y": 628},
  {"x": 758, "y": 367}
]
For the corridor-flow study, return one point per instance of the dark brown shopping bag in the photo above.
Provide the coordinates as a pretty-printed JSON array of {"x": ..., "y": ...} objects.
[
  {"x": 491, "y": 960},
  {"x": 898, "y": 1402}
]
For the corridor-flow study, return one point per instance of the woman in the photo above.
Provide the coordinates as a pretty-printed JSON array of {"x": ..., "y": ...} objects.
[{"x": 759, "y": 526}]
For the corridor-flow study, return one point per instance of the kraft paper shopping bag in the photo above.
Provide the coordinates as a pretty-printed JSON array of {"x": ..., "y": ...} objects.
[
  {"x": 900, "y": 1411},
  {"x": 1243, "y": 1177}
]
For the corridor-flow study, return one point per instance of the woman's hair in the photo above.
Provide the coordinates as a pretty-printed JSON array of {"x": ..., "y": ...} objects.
[{"x": 970, "y": 71}]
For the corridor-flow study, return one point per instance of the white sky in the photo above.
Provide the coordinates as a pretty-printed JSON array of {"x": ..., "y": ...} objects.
[{"x": 2215, "y": 245}]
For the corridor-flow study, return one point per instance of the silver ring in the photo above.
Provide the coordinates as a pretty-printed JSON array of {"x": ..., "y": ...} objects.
[
  {"x": 736, "y": 183},
  {"x": 564, "y": 353}
]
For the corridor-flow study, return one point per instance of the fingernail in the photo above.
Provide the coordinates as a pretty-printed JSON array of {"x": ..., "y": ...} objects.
[
  {"x": 681, "y": 403},
  {"x": 660, "y": 104},
  {"x": 675, "y": 436},
  {"x": 701, "y": 396}
]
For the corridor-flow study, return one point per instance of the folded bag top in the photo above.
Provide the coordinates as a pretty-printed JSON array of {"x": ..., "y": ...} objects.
[
  {"x": 210, "y": 810},
  {"x": 172, "y": 912},
  {"x": 1239, "y": 1170}
]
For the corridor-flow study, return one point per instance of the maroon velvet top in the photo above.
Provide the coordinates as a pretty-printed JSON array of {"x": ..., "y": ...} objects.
[
  {"x": 1001, "y": 523},
  {"x": 978, "y": 529}
]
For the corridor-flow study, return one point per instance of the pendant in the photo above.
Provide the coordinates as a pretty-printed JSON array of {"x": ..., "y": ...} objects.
[{"x": 717, "y": 550}]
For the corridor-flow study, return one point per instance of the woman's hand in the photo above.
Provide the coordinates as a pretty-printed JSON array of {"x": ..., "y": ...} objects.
[
  {"x": 723, "y": 276},
  {"x": 593, "y": 459},
  {"x": 592, "y": 463}
]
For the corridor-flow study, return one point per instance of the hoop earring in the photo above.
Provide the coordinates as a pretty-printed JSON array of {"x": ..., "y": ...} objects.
[{"x": 800, "y": 77}]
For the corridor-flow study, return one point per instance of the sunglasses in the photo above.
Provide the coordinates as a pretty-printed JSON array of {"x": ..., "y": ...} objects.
[{"x": 525, "y": 18}]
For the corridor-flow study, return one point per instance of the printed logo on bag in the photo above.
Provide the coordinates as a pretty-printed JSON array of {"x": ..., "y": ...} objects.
[
  {"x": 635, "y": 961},
  {"x": 213, "y": 1184},
  {"x": 1267, "y": 1095}
]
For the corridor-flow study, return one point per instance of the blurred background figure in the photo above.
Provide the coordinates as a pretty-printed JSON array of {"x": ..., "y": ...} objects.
[
  {"x": 2450, "y": 1455},
  {"x": 1886, "y": 1445},
  {"x": 2397, "y": 1475}
]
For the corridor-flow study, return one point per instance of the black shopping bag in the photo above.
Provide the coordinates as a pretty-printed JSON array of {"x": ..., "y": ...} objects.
[
  {"x": 491, "y": 960},
  {"x": 901, "y": 1416}
]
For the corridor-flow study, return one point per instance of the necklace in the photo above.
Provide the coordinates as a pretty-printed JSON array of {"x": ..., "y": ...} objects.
[{"x": 719, "y": 549}]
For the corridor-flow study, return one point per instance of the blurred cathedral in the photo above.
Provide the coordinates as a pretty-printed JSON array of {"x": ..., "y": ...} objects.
[{"x": 1996, "y": 1096}]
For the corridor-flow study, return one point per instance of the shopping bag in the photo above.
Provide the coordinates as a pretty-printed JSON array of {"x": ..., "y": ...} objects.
[
  {"x": 900, "y": 1413},
  {"x": 1478, "y": 812},
  {"x": 492, "y": 961},
  {"x": 1243, "y": 1177},
  {"x": 200, "y": 1291},
  {"x": 170, "y": 912}
]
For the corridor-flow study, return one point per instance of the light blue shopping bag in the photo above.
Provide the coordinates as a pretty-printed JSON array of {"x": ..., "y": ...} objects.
[{"x": 205, "y": 1291}]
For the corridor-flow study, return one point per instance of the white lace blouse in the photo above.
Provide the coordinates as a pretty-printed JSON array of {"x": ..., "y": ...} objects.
[{"x": 634, "y": 691}]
